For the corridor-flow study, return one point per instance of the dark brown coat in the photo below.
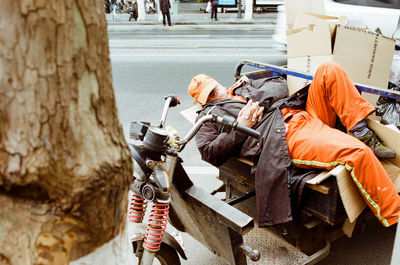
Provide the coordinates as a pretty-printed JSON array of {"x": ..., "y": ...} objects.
[{"x": 270, "y": 152}]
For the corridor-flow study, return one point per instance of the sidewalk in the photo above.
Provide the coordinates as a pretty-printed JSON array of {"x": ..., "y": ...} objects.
[{"x": 194, "y": 15}]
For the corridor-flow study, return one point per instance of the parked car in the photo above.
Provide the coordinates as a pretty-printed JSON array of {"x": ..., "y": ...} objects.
[{"x": 382, "y": 14}]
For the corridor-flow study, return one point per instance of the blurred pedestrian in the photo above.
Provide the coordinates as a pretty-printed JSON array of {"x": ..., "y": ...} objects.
[
  {"x": 133, "y": 11},
  {"x": 123, "y": 7},
  {"x": 107, "y": 6},
  {"x": 214, "y": 10},
  {"x": 164, "y": 7},
  {"x": 115, "y": 8}
]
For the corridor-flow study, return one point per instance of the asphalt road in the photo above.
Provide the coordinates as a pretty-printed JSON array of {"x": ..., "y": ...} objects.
[{"x": 154, "y": 62}]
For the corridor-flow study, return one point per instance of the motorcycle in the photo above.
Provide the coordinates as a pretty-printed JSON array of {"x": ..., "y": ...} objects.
[{"x": 160, "y": 179}]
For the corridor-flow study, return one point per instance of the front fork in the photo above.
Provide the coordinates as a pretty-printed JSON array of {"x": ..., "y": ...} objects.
[
  {"x": 155, "y": 231},
  {"x": 158, "y": 219},
  {"x": 155, "y": 228}
]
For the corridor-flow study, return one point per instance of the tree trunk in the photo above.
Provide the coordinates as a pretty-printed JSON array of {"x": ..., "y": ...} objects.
[{"x": 65, "y": 167}]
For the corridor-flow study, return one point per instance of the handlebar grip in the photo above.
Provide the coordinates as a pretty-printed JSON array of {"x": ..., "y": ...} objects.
[
  {"x": 231, "y": 122},
  {"x": 174, "y": 100},
  {"x": 248, "y": 131}
]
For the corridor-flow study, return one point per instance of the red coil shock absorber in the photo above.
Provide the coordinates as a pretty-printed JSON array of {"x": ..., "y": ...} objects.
[
  {"x": 137, "y": 209},
  {"x": 156, "y": 226}
]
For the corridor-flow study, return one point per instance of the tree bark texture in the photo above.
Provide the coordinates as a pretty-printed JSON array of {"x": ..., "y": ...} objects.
[{"x": 65, "y": 167}]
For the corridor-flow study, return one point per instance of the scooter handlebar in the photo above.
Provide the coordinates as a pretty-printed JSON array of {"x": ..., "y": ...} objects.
[
  {"x": 225, "y": 121},
  {"x": 231, "y": 122}
]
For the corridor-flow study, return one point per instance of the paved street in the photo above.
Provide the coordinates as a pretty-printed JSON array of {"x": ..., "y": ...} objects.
[{"x": 207, "y": 41}]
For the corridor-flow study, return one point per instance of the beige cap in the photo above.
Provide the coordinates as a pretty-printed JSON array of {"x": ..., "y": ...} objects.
[{"x": 201, "y": 86}]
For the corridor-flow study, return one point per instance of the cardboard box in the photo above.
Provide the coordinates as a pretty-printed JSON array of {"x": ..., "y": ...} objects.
[
  {"x": 306, "y": 19},
  {"x": 366, "y": 56},
  {"x": 308, "y": 65},
  {"x": 312, "y": 35},
  {"x": 293, "y": 7},
  {"x": 311, "y": 40},
  {"x": 309, "y": 43}
]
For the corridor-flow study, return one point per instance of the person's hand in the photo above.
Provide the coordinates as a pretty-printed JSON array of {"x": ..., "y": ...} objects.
[{"x": 250, "y": 114}]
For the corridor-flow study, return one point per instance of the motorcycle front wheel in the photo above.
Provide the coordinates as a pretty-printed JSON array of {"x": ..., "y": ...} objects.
[{"x": 167, "y": 255}]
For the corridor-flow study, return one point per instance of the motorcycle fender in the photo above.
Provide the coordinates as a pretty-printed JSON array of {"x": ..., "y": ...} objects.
[{"x": 140, "y": 232}]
